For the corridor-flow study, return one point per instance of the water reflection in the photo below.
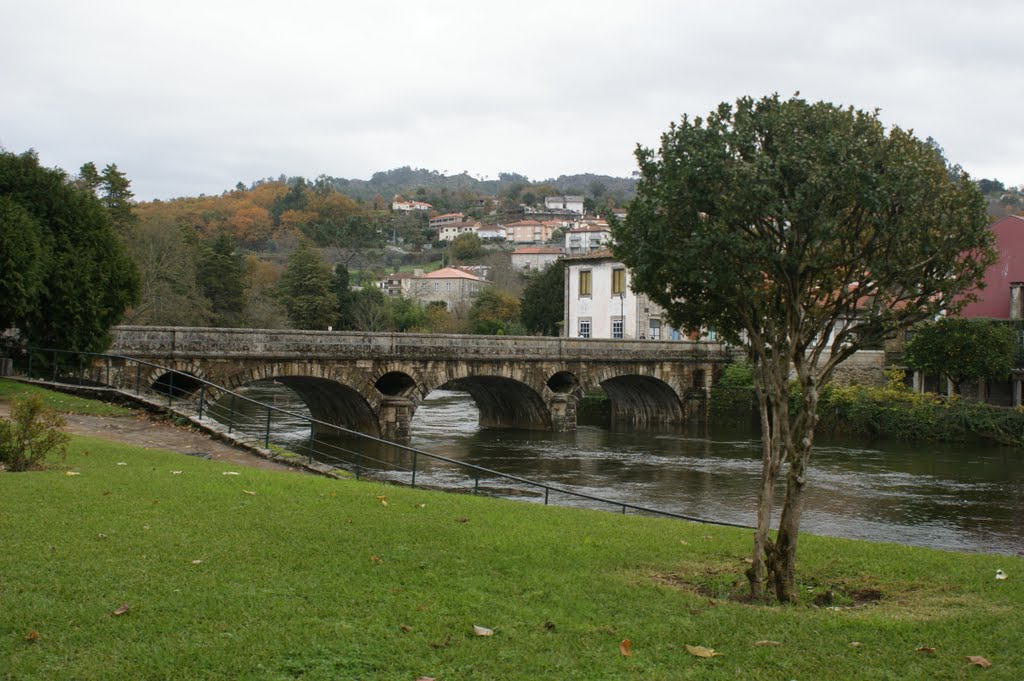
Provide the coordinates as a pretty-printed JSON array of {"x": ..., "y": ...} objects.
[{"x": 943, "y": 496}]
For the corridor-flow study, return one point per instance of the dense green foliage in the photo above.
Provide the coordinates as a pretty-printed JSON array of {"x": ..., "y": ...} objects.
[
  {"x": 962, "y": 349},
  {"x": 801, "y": 232},
  {"x": 89, "y": 279},
  {"x": 495, "y": 312},
  {"x": 306, "y": 577},
  {"x": 220, "y": 272},
  {"x": 542, "y": 307},
  {"x": 466, "y": 247},
  {"x": 895, "y": 411},
  {"x": 31, "y": 435},
  {"x": 306, "y": 291}
]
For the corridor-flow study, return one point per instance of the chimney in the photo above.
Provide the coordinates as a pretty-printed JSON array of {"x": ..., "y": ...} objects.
[{"x": 1017, "y": 300}]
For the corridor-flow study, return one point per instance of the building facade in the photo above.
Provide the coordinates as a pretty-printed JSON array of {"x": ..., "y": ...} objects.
[{"x": 535, "y": 258}]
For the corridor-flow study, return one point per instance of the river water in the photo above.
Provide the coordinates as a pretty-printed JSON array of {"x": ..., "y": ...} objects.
[{"x": 959, "y": 497}]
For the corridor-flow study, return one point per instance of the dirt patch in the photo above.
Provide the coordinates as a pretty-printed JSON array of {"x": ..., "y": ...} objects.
[
  {"x": 707, "y": 582},
  {"x": 153, "y": 432}
]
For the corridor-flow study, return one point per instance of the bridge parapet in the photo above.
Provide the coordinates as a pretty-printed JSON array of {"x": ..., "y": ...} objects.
[{"x": 198, "y": 342}]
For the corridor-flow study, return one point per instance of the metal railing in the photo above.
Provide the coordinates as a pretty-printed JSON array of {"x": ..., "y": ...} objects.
[{"x": 362, "y": 455}]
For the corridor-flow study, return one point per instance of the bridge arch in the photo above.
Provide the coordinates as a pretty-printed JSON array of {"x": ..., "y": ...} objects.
[{"x": 641, "y": 396}]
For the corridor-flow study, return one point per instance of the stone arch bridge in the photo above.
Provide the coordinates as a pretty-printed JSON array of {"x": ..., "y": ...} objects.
[{"x": 373, "y": 382}]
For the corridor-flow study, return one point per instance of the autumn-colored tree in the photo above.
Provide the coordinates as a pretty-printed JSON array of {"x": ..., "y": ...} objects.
[{"x": 495, "y": 312}]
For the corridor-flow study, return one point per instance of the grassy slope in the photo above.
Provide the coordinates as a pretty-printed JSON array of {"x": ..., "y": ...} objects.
[
  {"x": 288, "y": 586},
  {"x": 66, "y": 404}
]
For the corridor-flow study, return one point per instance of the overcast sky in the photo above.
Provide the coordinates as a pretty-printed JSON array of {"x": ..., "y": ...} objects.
[{"x": 191, "y": 97}]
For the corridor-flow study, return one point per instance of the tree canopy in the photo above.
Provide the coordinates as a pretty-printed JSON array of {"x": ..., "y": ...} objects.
[
  {"x": 542, "y": 306},
  {"x": 801, "y": 232},
  {"x": 80, "y": 280},
  {"x": 306, "y": 290},
  {"x": 963, "y": 349}
]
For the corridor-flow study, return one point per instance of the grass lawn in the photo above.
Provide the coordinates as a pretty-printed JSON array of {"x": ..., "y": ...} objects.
[
  {"x": 266, "y": 575},
  {"x": 66, "y": 404}
]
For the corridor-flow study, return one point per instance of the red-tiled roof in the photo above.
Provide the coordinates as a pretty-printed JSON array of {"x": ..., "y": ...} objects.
[
  {"x": 451, "y": 273},
  {"x": 537, "y": 250}
]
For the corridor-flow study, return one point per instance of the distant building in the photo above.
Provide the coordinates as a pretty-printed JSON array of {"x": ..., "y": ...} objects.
[
  {"x": 450, "y": 285},
  {"x": 491, "y": 232},
  {"x": 587, "y": 238},
  {"x": 447, "y": 219},
  {"x": 401, "y": 204},
  {"x": 1003, "y": 295},
  {"x": 452, "y": 230},
  {"x": 535, "y": 258},
  {"x": 599, "y": 303},
  {"x": 528, "y": 232},
  {"x": 569, "y": 203}
]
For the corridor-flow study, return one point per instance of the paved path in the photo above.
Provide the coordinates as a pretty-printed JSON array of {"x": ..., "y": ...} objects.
[{"x": 151, "y": 432}]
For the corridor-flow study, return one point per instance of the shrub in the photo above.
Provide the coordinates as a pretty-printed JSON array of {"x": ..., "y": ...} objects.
[{"x": 32, "y": 433}]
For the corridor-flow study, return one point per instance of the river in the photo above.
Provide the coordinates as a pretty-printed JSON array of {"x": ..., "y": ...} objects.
[{"x": 946, "y": 496}]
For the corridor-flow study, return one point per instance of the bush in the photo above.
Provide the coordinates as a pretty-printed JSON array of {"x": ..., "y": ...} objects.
[{"x": 32, "y": 433}]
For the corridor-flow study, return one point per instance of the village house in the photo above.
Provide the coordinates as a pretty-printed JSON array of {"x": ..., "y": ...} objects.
[
  {"x": 599, "y": 303},
  {"x": 535, "y": 258},
  {"x": 452, "y": 286},
  {"x": 528, "y": 232},
  {"x": 587, "y": 238},
  {"x": 491, "y": 232},
  {"x": 402, "y": 205},
  {"x": 439, "y": 221},
  {"x": 567, "y": 203},
  {"x": 452, "y": 230}
]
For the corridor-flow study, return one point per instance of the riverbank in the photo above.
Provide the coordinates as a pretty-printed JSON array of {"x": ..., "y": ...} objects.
[{"x": 122, "y": 562}]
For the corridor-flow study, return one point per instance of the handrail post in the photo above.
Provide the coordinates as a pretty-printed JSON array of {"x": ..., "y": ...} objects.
[
  {"x": 170, "y": 388},
  {"x": 266, "y": 438},
  {"x": 108, "y": 371},
  {"x": 231, "y": 421},
  {"x": 81, "y": 370},
  {"x": 138, "y": 378},
  {"x": 202, "y": 398},
  {"x": 546, "y": 490},
  {"x": 414, "y": 468}
]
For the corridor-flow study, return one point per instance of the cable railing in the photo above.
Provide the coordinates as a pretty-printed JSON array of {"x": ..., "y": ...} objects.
[{"x": 359, "y": 454}]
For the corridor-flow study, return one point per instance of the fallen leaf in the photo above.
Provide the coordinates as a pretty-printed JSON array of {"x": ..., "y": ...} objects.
[
  {"x": 1000, "y": 574},
  {"x": 925, "y": 649},
  {"x": 122, "y": 463},
  {"x": 32, "y": 637},
  {"x": 383, "y": 500},
  {"x": 482, "y": 631},
  {"x": 251, "y": 494},
  {"x": 231, "y": 473},
  {"x": 462, "y": 520},
  {"x": 177, "y": 472},
  {"x": 701, "y": 651},
  {"x": 101, "y": 536},
  {"x": 684, "y": 542},
  {"x": 405, "y": 627},
  {"x": 124, "y": 607},
  {"x": 376, "y": 559},
  {"x": 979, "y": 660},
  {"x": 70, "y": 473},
  {"x": 549, "y": 625},
  {"x": 855, "y": 644},
  {"x": 145, "y": 527},
  {"x": 197, "y": 561},
  {"x": 421, "y": 505},
  {"x": 626, "y": 647},
  {"x": 767, "y": 643}
]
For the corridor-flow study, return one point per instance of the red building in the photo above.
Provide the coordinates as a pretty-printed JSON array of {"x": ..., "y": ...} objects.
[{"x": 1003, "y": 295}]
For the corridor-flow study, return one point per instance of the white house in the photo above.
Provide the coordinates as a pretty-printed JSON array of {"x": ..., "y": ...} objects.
[
  {"x": 400, "y": 204},
  {"x": 491, "y": 232},
  {"x": 587, "y": 238},
  {"x": 451, "y": 230},
  {"x": 447, "y": 219},
  {"x": 570, "y": 203},
  {"x": 599, "y": 303},
  {"x": 535, "y": 258}
]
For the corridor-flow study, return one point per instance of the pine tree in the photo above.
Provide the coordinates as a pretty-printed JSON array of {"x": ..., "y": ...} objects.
[{"x": 306, "y": 292}]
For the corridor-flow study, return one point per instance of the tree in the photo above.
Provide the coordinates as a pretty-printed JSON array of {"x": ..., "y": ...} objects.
[
  {"x": 340, "y": 285},
  {"x": 89, "y": 279},
  {"x": 801, "y": 232},
  {"x": 23, "y": 253},
  {"x": 220, "y": 273},
  {"x": 542, "y": 308},
  {"x": 466, "y": 246},
  {"x": 963, "y": 349},
  {"x": 116, "y": 196},
  {"x": 494, "y": 312},
  {"x": 305, "y": 290}
]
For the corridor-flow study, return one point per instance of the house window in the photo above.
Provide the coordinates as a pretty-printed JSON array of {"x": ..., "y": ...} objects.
[
  {"x": 447, "y": 286},
  {"x": 437, "y": 286},
  {"x": 654, "y": 330},
  {"x": 618, "y": 281},
  {"x": 617, "y": 327},
  {"x": 584, "y": 328},
  {"x": 585, "y": 285}
]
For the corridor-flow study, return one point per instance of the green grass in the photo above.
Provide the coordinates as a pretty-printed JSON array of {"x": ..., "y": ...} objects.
[
  {"x": 313, "y": 578},
  {"x": 66, "y": 404}
]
